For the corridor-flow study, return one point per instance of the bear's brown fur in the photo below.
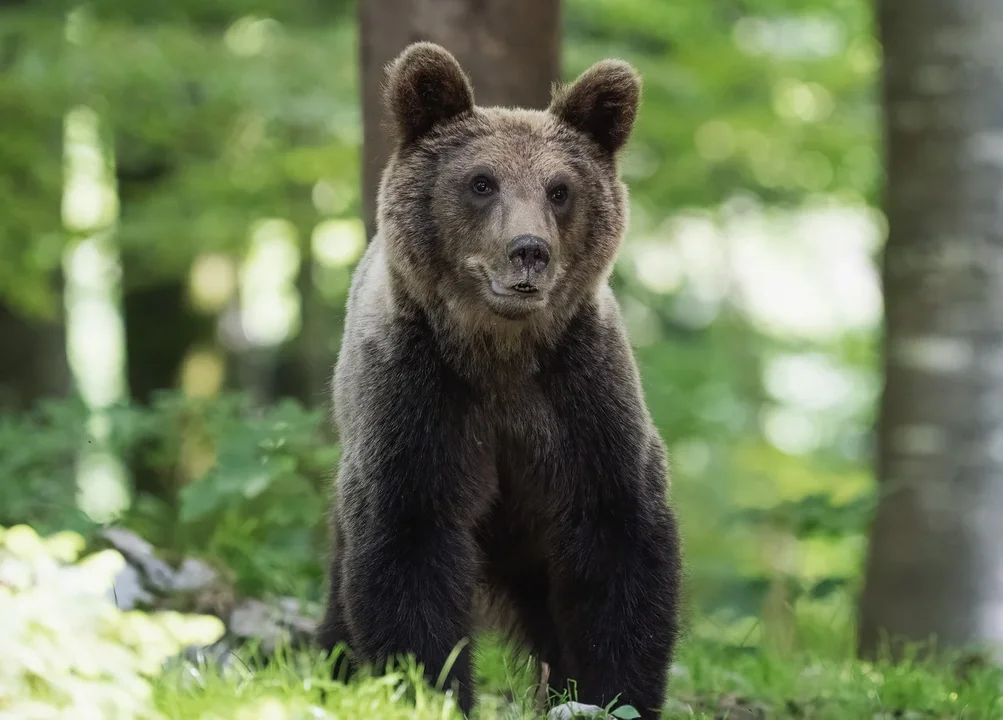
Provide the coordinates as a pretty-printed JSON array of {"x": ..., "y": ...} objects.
[{"x": 494, "y": 434}]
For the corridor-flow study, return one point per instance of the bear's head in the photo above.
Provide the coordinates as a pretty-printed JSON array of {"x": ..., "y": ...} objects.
[{"x": 503, "y": 215}]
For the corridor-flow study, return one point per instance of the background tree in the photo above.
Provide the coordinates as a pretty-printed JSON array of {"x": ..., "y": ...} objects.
[
  {"x": 511, "y": 52},
  {"x": 935, "y": 568}
]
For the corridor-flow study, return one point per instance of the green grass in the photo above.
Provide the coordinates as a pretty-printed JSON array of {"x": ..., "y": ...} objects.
[{"x": 708, "y": 681}]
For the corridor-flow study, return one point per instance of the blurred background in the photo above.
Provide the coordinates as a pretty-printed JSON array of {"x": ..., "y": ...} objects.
[{"x": 185, "y": 188}]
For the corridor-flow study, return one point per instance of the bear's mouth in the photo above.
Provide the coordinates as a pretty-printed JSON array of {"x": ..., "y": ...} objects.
[
  {"x": 513, "y": 296},
  {"x": 523, "y": 287}
]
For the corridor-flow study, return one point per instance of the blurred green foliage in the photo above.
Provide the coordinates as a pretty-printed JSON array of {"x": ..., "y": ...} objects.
[
  {"x": 218, "y": 114},
  {"x": 773, "y": 97},
  {"x": 38, "y": 469},
  {"x": 67, "y": 650},
  {"x": 246, "y": 487},
  {"x": 224, "y": 112}
]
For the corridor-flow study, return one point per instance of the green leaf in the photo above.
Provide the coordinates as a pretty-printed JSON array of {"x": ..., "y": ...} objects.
[{"x": 626, "y": 712}]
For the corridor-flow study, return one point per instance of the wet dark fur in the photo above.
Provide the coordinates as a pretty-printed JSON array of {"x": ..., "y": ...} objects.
[{"x": 511, "y": 457}]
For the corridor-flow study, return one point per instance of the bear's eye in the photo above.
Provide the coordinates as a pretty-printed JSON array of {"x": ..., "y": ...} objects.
[
  {"x": 559, "y": 194},
  {"x": 481, "y": 185}
]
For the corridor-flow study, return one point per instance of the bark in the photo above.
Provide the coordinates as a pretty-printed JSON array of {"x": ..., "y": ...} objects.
[
  {"x": 510, "y": 50},
  {"x": 935, "y": 567},
  {"x": 160, "y": 329},
  {"x": 33, "y": 364}
]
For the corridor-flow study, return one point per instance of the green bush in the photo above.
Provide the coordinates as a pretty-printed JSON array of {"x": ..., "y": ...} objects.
[
  {"x": 241, "y": 486},
  {"x": 67, "y": 651},
  {"x": 37, "y": 468},
  {"x": 246, "y": 486}
]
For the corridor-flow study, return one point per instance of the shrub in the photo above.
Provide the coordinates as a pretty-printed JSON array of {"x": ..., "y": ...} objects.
[{"x": 67, "y": 650}]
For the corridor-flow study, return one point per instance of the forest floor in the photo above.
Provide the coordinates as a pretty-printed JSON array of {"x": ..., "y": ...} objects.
[{"x": 705, "y": 683}]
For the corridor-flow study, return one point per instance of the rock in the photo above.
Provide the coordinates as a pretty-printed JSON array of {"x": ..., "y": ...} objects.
[
  {"x": 573, "y": 710},
  {"x": 253, "y": 619},
  {"x": 271, "y": 625},
  {"x": 302, "y": 628},
  {"x": 192, "y": 576},
  {"x": 140, "y": 553},
  {"x": 147, "y": 580},
  {"x": 150, "y": 583},
  {"x": 127, "y": 591}
]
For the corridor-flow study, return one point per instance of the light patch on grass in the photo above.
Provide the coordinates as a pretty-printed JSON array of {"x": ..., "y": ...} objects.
[{"x": 708, "y": 681}]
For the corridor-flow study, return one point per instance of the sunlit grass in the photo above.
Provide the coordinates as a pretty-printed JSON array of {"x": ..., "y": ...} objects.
[{"x": 708, "y": 681}]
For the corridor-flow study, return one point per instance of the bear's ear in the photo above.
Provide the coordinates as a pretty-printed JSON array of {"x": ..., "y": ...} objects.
[
  {"x": 602, "y": 102},
  {"x": 425, "y": 86}
]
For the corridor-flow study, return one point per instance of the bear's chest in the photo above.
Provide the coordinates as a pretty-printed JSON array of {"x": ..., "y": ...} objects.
[{"x": 526, "y": 438}]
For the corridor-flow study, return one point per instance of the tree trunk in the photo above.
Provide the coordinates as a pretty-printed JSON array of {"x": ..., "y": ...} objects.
[
  {"x": 33, "y": 364},
  {"x": 935, "y": 568},
  {"x": 510, "y": 50},
  {"x": 160, "y": 329}
]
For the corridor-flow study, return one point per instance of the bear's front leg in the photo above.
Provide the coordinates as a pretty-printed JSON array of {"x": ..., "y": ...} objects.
[
  {"x": 614, "y": 546},
  {"x": 615, "y": 604},
  {"x": 408, "y": 589},
  {"x": 410, "y": 488}
]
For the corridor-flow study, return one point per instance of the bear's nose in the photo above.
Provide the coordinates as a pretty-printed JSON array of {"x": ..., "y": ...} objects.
[{"x": 529, "y": 252}]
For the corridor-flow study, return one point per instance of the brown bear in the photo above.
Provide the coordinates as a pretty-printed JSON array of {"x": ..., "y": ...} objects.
[{"x": 495, "y": 438}]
